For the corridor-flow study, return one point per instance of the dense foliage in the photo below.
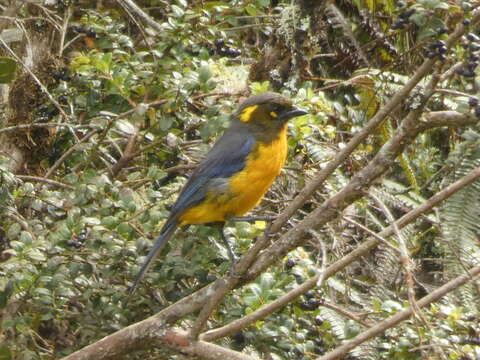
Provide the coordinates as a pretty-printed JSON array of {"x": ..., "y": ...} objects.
[{"x": 134, "y": 106}]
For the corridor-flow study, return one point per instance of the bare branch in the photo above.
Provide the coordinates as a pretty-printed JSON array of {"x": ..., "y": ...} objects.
[
  {"x": 46, "y": 125},
  {"x": 129, "y": 4},
  {"x": 44, "y": 180},
  {"x": 363, "y": 249},
  {"x": 379, "y": 117},
  {"x": 437, "y": 294}
]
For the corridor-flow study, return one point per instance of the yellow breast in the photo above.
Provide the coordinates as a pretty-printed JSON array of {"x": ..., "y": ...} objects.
[
  {"x": 262, "y": 167},
  {"x": 247, "y": 187}
]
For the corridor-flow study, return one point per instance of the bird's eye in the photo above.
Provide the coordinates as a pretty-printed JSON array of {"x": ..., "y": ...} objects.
[{"x": 277, "y": 108}]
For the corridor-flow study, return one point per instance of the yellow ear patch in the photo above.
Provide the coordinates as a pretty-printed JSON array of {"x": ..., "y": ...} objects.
[
  {"x": 273, "y": 114},
  {"x": 246, "y": 114}
]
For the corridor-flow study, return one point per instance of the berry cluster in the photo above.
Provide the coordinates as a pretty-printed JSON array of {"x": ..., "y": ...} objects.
[
  {"x": 311, "y": 302},
  {"x": 81, "y": 30},
  {"x": 472, "y": 46},
  {"x": 78, "y": 240},
  {"x": 223, "y": 49},
  {"x": 473, "y": 103},
  {"x": 61, "y": 74},
  {"x": 404, "y": 17},
  {"x": 438, "y": 49},
  {"x": 45, "y": 113}
]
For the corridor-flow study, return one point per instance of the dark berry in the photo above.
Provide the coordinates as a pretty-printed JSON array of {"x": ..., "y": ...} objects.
[
  {"x": 78, "y": 29},
  {"x": 437, "y": 44},
  {"x": 472, "y": 37},
  {"x": 407, "y": 14},
  {"x": 474, "y": 47},
  {"x": 472, "y": 65},
  {"x": 299, "y": 279},
  {"x": 472, "y": 102},
  {"x": 401, "y": 4},
  {"x": 442, "y": 31},
  {"x": 442, "y": 57},
  {"x": 442, "y": 50},
  {"x": 234, "y": 53},
  {"x": 310, "y": 294},
  {"x": 474, "y": 57},
  {"x": 91, "y": 34},
  {"x": 398, "y": 25},
  {"x": 431, "y": 54},
  {"x": 290, "y": 263},
  {"x": 219, "y": 43},
  {"x": 310, "y": 304},
  {"x": 469, "y": 73},
  {"x": 466, "y": 22},
  {"x": 62, "y": 100},
  {"x": 57, "y": 75},
  {"x": 223, "y": 51},
  {"x": 74, "y": 243}
]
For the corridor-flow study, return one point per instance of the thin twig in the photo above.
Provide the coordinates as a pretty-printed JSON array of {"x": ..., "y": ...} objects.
[
  {"x": 46, "y": 125},
  {"x": 46, "y": 181},
  {"x": 63, "y": 31},
  {"x": 69, "y": 152},
  {"x": 371, "y": 233},
  {"x": 346, "y": 313},
  {"x": 34, "y": 77},
  {"x": 405, "y": 258}
]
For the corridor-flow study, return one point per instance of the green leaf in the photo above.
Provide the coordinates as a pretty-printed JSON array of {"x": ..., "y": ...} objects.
[
  {"x": 177, "y": 11},
  {"x": 8, "y": 67},
  {"x": 36, "y": 255},
  {"x": 204, "y": 73},
  {"x": 251, "y": 10},
  {"x": 5, "y": 353}
]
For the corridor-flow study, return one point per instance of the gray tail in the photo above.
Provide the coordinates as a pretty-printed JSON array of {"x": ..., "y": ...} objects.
[{"x": 165, "y": 235}]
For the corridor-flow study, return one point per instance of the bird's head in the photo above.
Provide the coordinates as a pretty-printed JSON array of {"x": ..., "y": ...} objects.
[{"x": 266, "y": 114}]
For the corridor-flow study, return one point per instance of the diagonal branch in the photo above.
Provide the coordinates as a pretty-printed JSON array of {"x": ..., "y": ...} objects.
[
  {"x": 363, "y": 249},
  {"x": 136, "y": 335},
  {"x": 437, "y": 294},
  {"x": 367, "y": 130}
]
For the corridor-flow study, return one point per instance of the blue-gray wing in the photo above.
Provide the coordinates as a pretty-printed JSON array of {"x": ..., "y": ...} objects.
[{"x": 227, "y": 157}]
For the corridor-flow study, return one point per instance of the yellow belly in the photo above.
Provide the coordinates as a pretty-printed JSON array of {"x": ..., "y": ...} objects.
[{"x": 247, "y": 187}]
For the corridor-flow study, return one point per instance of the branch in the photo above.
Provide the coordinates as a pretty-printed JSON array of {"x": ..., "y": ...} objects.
[
  {"x": 46, "y": 125},
  {"x": 374, "y": 122},
  {"x": 135, "y": 336},
  {"x": 140, "y": 334},
  {"x": 363, "y": 249},
  {"x": 394, "y": 320},
  {"x": 46, "y": 181},
  {"x": 69, "y": 152},
  {"x": 127, "y": 156},
  {"x": 446, "y": 118},
  {"x": 404, "y": 135},
  {"x": 129, "y": 4}
]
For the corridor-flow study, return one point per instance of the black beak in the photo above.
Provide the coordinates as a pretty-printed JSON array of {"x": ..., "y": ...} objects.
[{"x": 291, "y": 114}]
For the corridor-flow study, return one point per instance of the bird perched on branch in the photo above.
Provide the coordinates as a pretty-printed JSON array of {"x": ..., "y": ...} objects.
[{"x": 236, "y": 172}]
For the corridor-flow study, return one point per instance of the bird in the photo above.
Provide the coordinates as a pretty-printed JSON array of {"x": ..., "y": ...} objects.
[{"x": 236, "y": 172}]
